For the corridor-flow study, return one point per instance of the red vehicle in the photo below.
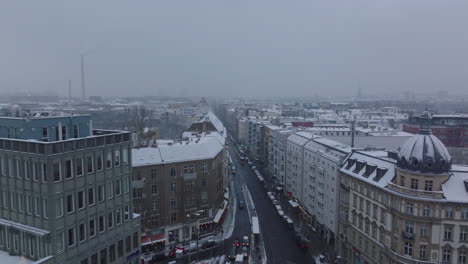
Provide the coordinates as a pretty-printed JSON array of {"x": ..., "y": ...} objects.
[
  {"x": 172, "y": 253},
  {"x": 236, "y": 243}
]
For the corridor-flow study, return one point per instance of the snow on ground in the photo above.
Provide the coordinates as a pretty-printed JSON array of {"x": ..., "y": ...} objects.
[{"x": 5, "y": 258}]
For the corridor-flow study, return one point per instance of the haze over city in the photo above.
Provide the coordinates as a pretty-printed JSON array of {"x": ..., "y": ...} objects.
[{"x": 231, "y": 48}]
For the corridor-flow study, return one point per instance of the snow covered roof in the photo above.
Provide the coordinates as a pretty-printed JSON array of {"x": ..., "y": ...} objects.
[
  {"x": 375, "y": 158},
  {"x": 388, "y": 142},
  {"x": 329, "y": 143},
  {"x": 211, "y": 117},
  {"x": 454, "y": 188},
  {"x": 300, "y": 138},
  {"x": 194, "y": 149}
]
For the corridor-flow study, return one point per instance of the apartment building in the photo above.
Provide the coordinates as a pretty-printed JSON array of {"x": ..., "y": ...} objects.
[
  {"x": 65, "y": 192},
  {"x": 405, "y": 207},
  {"x": 322, "y": 161}
]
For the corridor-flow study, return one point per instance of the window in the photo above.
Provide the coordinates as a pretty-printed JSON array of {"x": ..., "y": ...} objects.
[
  {"x": 71, "y": 237},
  {"x": 461, "y": 256},
  {"x": 154, "y": 205},
  {"x": 409, "y": 208},
  {"x": 463, "y": 233},
  {"x": 426, "y": 210},
  {"x": 126, "y": 185},
  {"x": 408, "y": 227},
  {"x": 82, "y": 232},
  {"x": 102, "y": 225},
  {"x": 135, "y": 239},
  {"x": 101, "y": 193},
  {"x": 37, "y": 209},
  {"x": 112, "y": 253},
  {"x": 118, "y": 216},
  {"x": 173, "y": 203},
  {"x": 120, "y": 248},
  {"x": 137, "y": 192},
  {"x": 173, "y": 187},
  {"x": 110, "y": 220},
  {"x": 423, "y": 230},
  {"x": 428, "y": 185},
  {"x": 60, "y": 241},
  {"x": 402, "y": 181},
  {"x": 118, "y": 187},
  {"x": 126, "y": 212},
  {"x": 44, "y": 172},
  {"x": 355, "y": 200},
  {"x": 448, "y": 232},
  {"x": 26, "y": 170},
  {"x": 79, "y": 167},
  {"x": 68, "y": 169},
  {"x": 28, "y": 205},
  {"x": 89, "y": 164},
  {"x": 128, "y": 244},
  {"x": 45, "y": 135},
  {"x": 414, "y": 184},
  {"x": 464, "y": 213},
  {"x": 94, "y": 259},
  {"x": 446, "y": 254},
  {"x": 45, "y": 211},
  {"x": 185, "y": 170},
  {"x": 368, "y": 207},
  {"x": 422, "y": 251},
  {"x": 92, "y": 228},
  {"x": 125, "y": 156},
  {"x": 81, "y": 200},
  {"x": 117, "y": 158},
  {"x": 108, "y": 160},
  {"x": 20, "y": 202},
  {"x": 361, "y": 204},
  {"x": 70, "y": 203},
  {"x": 75, "y": 131},
  {"x": 91, "y": 197},
  {"x": 57, "y": 172},
  {"x": 59, "y": 207},
  {"x": 35, "y": 171},
  {"x": 204, "y": 167},
  {"x": 99, "y": 162},
  {"x": 449, "y": 212},
  {"x": 383, "y": 216},
  {"x": 375, "y": 211},
  {"x": 408, "y": 249},
  {"x": 103, "y": 255}
]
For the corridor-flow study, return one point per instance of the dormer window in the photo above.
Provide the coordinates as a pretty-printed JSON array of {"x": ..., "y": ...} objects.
[{"x": 414, "y": 184}]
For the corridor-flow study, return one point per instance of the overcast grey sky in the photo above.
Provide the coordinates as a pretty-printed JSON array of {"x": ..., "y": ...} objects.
[{"x": 235, "y": 47}]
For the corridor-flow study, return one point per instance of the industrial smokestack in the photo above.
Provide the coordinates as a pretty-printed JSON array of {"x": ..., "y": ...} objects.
[{"x": 83, "y": 86}]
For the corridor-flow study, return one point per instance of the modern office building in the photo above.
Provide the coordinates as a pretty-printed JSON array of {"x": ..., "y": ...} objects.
[{"x": 65, "y": 192}]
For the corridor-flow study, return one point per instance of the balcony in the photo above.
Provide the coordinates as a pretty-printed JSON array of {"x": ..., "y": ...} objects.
[
  {"x": 408, "y": 235},
  {"x": 190, "y": 176},
  {"x": 416, "y": 193}
]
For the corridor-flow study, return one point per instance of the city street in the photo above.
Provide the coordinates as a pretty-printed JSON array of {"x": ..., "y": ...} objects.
[{"x": 279, "y": 241}]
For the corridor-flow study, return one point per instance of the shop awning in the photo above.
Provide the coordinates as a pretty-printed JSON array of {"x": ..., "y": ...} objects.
[
  {"x": 220, "y": 212},
  {"x": 293, "y": 203}
]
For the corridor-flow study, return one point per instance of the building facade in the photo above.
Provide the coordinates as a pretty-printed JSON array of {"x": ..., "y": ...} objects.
[
  {"x": 406, "y": 207},
  {"x": 178, "y": 188},
  {"x": 65, "y": 192}
]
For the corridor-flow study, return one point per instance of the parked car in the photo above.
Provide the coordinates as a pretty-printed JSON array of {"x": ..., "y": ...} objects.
[
  {"x": 208, "y": 244},
  {"x": 158, "y": 257},
  {"x": 232, "y": 254},
  {"x": 193, "y": 247},
  {"x": 275, "y": 202},
  {"x": 241, "y": 205},
  {"x": 245, "y": 241}
]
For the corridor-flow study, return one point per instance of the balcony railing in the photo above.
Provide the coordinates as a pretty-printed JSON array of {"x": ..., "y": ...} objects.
[{"x": 416, "y": 193}]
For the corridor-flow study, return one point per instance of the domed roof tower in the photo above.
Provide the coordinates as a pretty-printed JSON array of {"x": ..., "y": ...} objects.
[{"x": 424, "y": 152}]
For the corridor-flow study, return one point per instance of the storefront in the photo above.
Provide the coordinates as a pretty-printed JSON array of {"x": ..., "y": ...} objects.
[{"x": 153, "y": 243}]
